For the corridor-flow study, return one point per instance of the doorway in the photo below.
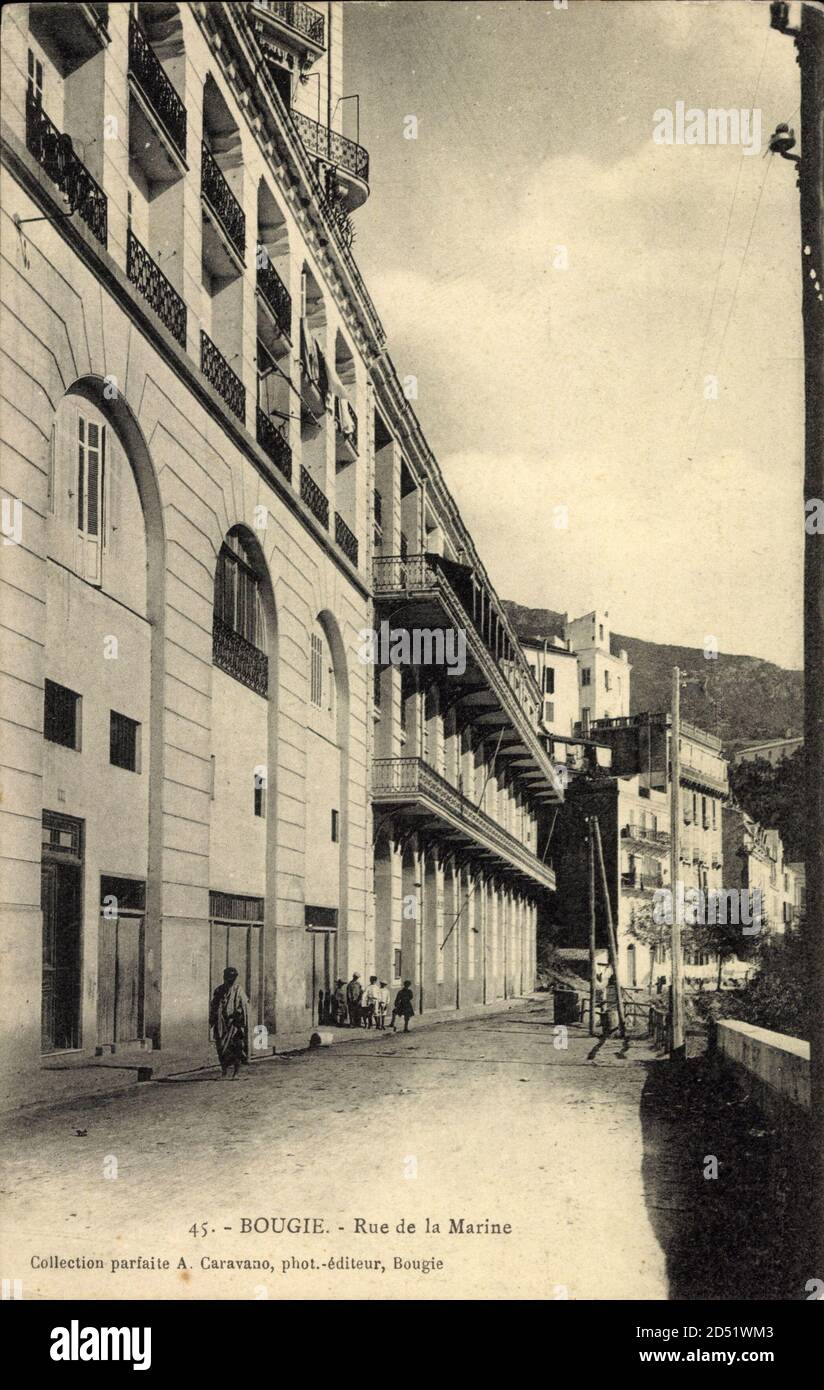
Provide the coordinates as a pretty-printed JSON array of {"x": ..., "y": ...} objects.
[
  {"x": 61, "y": 897},
  {"x": 320, "y": 973},
  {"x": 120, "y": 961},
  {"x": 237, "y": 939}
]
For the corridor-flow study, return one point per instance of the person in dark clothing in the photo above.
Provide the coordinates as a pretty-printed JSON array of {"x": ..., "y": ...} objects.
[
  {"x": 403, "y": 1005},
  {"x": 229, "y": 1022},
  {"x": 354, "y": 994}
]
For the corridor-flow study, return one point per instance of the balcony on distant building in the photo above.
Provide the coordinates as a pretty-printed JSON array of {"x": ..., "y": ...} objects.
[
  {"x": 287, "y": 22},
  {"x": 349, "y": 160}
]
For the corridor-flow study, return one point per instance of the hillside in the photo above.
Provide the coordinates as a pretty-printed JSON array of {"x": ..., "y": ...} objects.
[{"x": 755, "y": 699}]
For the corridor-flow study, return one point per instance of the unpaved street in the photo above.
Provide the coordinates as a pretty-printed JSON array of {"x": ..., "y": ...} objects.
[{"x": 484, "y": 1120}]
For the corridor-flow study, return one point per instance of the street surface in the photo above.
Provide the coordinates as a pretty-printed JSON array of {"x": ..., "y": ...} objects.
[{"x": 478, "y": 1121}]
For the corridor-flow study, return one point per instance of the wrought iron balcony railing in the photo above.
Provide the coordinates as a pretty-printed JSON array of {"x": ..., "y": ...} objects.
[
  {"x": 452, "y": 586},
  {"x": 270, "y": 438},
  {"x": 346, "y": 539},
  {"x": 222, "y": 201},
  {"x": 302, "y": 18},
  {"x": 239, "y": 658},
  {"x": 146, "y": 274},
  {"x": 226, "y": 382},
  {"x": 404, "y": 778},
  {"x": 330, "y": 145},
  {"x": 55, "y": 155},
  {"x": 317, "y": 501},
  {"x": 147, "y": 70},
  {"x": 640, "y": 832},
  {"x": 273, "y": 290}
]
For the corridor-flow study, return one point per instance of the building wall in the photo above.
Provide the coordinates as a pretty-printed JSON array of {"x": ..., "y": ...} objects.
[{"x": 79, "y": 323}]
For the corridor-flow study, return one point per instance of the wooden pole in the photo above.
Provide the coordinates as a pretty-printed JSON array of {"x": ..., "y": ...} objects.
[
  {"x": 679, "y": 1048},
  {"x": 613, "y": 946},
  {"x": 591, "y": 929},
  {"x": 811, "y": 187}
]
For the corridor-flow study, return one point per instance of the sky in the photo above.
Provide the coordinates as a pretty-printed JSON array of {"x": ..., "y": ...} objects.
[{"x": 605, "y": 330}]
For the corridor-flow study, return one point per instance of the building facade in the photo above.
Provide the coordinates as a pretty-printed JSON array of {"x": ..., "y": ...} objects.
[
  {"x": 603, "y": 679},
  {"x": 205, "y": 498},
  {"x": 756, "y": 864},
  {"x": 769, "y": 750},
  {"x": 632, "y": 802}
]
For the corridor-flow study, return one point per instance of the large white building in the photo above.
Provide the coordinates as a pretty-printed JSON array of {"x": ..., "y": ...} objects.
[{"x": 211, "y": 471}]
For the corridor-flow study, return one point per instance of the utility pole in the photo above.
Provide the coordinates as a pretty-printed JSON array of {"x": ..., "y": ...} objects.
[
  {"x": 591, "y": 844},
  {"x": 809, "y": 41},
  {"x": 679, "y": 1044},
  {"x": 611, "y": 938}
]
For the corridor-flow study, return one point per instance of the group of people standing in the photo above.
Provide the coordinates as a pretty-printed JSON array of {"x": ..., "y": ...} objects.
[
  {"x": 356, "y": 1007},
  {"x": 352, "y": 1006}
]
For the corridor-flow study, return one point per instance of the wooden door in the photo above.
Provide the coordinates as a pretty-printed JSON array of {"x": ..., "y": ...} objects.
[{"x": 61, "y": 904}]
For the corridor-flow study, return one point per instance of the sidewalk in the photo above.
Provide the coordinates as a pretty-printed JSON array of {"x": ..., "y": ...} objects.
[{"x": 64, "y": 1079}]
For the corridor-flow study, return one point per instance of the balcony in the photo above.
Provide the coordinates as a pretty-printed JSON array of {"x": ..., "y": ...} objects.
[
  {"x": 300, "y": 26},
  {"x": 346, "y": 539},
  {"x": 238, "y": 658},
  {"x": 272, "y": 441},
  {"x": 317, "y": 501},
  {"x": 222, "y": 203},
  {"x": 154, "y": 86},
  {"x": 276, "y": 299},
  {"x": 412, "y": 784},
  {"x": 226, "y": 382},
  {"x": 155, "y": 288},
  {"x": 428, "y": 589},
  {"x": 55, "y": 155},
  {"x": 635, "y": 882},
  {"x": 349, "y": 160},
  {"x": 640, "y": 833}
]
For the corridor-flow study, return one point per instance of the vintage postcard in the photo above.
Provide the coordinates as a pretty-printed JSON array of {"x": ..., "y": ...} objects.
[{"x": 413, "y": 670}]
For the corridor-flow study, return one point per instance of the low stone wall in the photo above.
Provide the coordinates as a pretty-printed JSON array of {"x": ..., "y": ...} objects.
[{"x": 775, "y": 1067}]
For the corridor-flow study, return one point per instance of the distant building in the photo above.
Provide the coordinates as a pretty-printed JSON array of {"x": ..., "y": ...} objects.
[
  {"x": 755, "y": 860},
  {"x": 632, "y": 804},
  {"x": 555, "y": 668},
  {"x": 603, "y": 679},
  {"x": 771, "y": 750},
  {"x": 580, "y": 679}
]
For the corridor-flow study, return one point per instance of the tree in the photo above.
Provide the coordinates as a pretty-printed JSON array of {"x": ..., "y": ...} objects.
[{"x": 775, "y": 797}]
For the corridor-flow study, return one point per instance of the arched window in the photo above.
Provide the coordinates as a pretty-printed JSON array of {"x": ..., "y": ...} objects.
[{"x": 239, "y": 631}]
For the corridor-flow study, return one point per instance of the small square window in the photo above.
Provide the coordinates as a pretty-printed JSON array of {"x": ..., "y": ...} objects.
[
  {"x": 123, "y": 741},
  {"x": 61, "y": 715},
  {"x": 335, "y": 827}
]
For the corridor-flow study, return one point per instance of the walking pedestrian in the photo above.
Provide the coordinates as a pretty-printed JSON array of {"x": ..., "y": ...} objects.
[
  {"x": 370, "y": 1000},
  {"x": 229, "y": 1022},
  {"x": 354, "y": 994},
  {"x": 403, "y": 1005}
]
